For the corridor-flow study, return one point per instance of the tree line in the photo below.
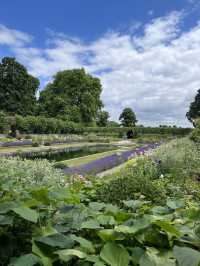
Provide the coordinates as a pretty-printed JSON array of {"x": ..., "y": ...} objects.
[{"x": 72, "y": 95}]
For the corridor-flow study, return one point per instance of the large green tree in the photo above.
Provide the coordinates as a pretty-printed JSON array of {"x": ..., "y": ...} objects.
[
  {"x": 74, "y": 95},
  {"x": 194, "y": 109},
  {"x": 102, "y": 118},
  {"x": 17, "y": 88},
  {"x": 128, "y": 117}
]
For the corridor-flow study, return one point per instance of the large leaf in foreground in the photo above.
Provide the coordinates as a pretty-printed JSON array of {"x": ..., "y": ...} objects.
[
  {"x": 110, "y": 235},
  {"x": 90, "y": 224},
  {"x": 168, "y": 228},
  {"x": 27, "y": 214},
  {"x": 115, "y": 255},
  {"x": 67, "y": 254},
  {"x": 56, "y": 240},
  {"x": 136, "y": 226},
  {"x": 186, "y": 256},
  {"x": 26, "y": 260},
  {"x": 84, "y": 243},
  {"x": 46, "y": 261},
  {"x": 175, "y": 204},
  {"x": 153, "y": 257}
]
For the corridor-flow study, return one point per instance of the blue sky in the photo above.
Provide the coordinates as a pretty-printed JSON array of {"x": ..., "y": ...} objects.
[{"x": 146, "y": 52}]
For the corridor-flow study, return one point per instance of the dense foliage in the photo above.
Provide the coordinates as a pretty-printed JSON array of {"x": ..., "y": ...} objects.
[
  {"x": 46, "y": 219},
  {"x": 43, "y": 125},
  {"x": 74, "y": 95},
  {"x": 195, "y": 134},
  {"x": 17, "y": 88},
  {"x": 4, "y": 123},
  {"x": 128, "y": 117},
  {"x": 194, "y": 110},
  {"x": 170, "y": 170},
  {"x": 102, "y": 118}
]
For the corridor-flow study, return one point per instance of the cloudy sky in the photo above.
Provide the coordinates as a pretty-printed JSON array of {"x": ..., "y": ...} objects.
[{"x": 146, "y": 52}]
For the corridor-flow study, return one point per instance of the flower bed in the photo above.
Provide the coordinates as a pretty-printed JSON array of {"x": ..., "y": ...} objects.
[{"x": 109, "y": 162}]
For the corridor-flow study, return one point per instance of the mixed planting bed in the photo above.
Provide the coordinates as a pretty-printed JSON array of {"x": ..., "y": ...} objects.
[
  {"x": 146, "y": 214},
  {"x": 108, "y": 162}
]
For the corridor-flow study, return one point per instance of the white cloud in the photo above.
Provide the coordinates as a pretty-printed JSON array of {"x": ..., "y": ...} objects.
[
  {"x": 156, "y": 73},
  {"x": 13, "y": 37}
]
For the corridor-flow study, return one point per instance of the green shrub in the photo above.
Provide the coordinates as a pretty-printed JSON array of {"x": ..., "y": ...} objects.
[
  {"x": 179, "y": 158},
  {"x": 131, "y": 183},
  {"x": 43, "y": 125},
  {"x": 47, "y": 143},
  {"x": 29, "y": 173},
  {"x": 4, "y": 123},
  {"x": 35, "y": 144},
  {"x": 195, "y": 134}
]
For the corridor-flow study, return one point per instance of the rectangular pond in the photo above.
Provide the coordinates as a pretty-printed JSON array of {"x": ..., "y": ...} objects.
[{"x": 67, "y": 153}]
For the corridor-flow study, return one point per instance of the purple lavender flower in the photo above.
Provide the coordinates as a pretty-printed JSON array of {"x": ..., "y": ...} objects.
[{"x": 108, "y": 162}]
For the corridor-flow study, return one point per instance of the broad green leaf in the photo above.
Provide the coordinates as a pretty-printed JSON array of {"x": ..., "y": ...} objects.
[
  {"x": 95, "y": 259},
  {"x": 27, "y": 214},
  {"x": 153, "y": 257},
  {"x": 7, "y": 206},
  {"x": 31, "y": 203},
  {"x": 86, "y": 244},
  {"x": 56, "y": 240},
  {"x": 115, "y": 255},
  {"x": 6, "y": 220},
  {"x": 138, "y": 225},
  {"x": 160, "y": 210},
  {"x": 67, "y": 254},
  {"x": 111, "y": 209},
  {"x": 186, "y": 256},
  {"x": 26, "y": 260},
  {"x": 136, "y": 254},
  {"x": 193, "y": 214},
  {"x": 47, "y": 230},
  {"x": 90, "y": 224},
  {"x": 97, "y": 206},
  {"x": 99, "y": 264},
  {"x": 175, "y": 204},
  {"x": 46, "y": 261},
  {"x": 60, "y": 194},
  {"x": 134, "y": 204},
  {"x": 147, "y": 260},
  {"x": 106, "y": 219},
  {"x": 121, "y": 216},
  {"x": 41, "y": 195},
  {"x": 168, "y": 228},
  {"x": 110, "y": 235}
]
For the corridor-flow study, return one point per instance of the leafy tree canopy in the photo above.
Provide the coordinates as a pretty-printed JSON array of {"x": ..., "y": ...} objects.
[
  {"x": 17, "y": 88},
  {"x": 194, "y": 110},
  {"x": 113, "y": 124},
  {"x": 128, "y": 117},
  {"x": 74, "y": 95},
  {"x": 102, "y": 118}
]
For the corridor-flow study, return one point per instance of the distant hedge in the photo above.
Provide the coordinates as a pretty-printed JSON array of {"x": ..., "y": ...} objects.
[
  {"x": 44, "y": 125},
  {"x": 139, "y": 130}
]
